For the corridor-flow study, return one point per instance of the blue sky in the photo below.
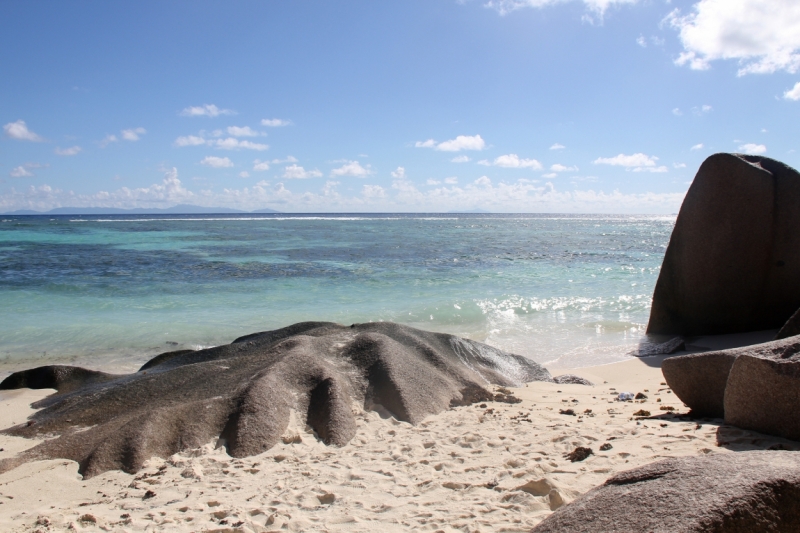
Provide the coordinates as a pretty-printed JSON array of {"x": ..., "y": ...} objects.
[{"x": 436, "y": 105}]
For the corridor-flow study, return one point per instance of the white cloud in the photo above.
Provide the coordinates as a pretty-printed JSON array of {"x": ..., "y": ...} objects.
[
  {"x": 462, "y": 142},
  {"x": 244, "y": 174},
  {"x": 451, "y": 180},
  {"x": 217, "y": 162},
  {"x": 245, "y": 131},
  {"x": 207, "y": 110},
  {"x": 636, "y": 162},
  {"x": 20, "y": 172},
  {"x": 189, "y": 140},
  {"x": 259, "y": 165},
  {"x": 762, "y": 35},
  {"x": 557, "y": 146},
  {"x": 677, "y": 112},
  {"x": 561, "y": 168},
  {"x": 793, "y": 93},
  {"x": 373, "y": 191},
  {"x": 661, "y": 168},
  {"x": 289, "y": 159},
  {"x": 432, "y": 181},
  {"x": 19, "y": 130},
  {"x": 460, "y": 159},
  {"x": 550, "y": 175},
  {"x": 295, "y": 172},
  {"x": 702, "y": 110},
  {"x": 641, "y": 41},
  {"x": 595, "y": 8},
  {"x": 628, "y": 161},
  {"x": 698, "y": 146},
  {"x": 399, "y": 174},
  {"x": 108, "y": 139},
  {"x": 133, "y": 134},
  {"x": 679, "y": 165},
  {"x": 483, "y": 181},
  {"x": 354, "y": 168},
  {"x": 275, "y": 122},
  {"x": 232, "y": 143},
  {"x": 514, "y": 161},
  {"x": 752, "y": 148},
  {"x": 72, "y": 150}
]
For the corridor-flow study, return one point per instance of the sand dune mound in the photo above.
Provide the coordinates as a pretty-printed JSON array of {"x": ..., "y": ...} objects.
[{"x": 245, "y": 393}]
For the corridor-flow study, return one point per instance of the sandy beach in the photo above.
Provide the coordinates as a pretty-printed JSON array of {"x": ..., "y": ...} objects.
[{"x": 485, "y": 467}]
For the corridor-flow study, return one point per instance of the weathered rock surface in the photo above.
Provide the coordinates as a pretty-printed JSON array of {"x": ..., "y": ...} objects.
[
  {"x": 721, "y": 493},
  {"x": 764, "y": 395},
  {"x": 790, "y": 328},
  {"x": 243, "y": 392},
  {"x": 673, "y": 345},
  {"x": 733, "y": 261},
  {"x": 701, "y": 380}
]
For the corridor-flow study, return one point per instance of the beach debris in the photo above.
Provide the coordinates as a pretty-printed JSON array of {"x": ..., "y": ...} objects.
[
  {"x": 245, "y": 394},
  {"x": 87, "y": 519},
  {"x": 570, "y": 412},
  {"x": 640, "y": 396},
  {"x": 579, "y": 454},
  {"x": 605, "y": 446},
  {"x": 641, "y": 412},
  {"x": 725, "y": 493},
  {"x": 625, "y": 396},
  {"x": 506, "y": 398}
]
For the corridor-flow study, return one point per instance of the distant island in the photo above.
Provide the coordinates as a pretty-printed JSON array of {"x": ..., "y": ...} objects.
[{"x": 180, "y": 209}]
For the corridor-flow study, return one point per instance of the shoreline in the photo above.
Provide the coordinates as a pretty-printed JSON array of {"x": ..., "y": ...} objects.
[{"x": 496, "y": 468}]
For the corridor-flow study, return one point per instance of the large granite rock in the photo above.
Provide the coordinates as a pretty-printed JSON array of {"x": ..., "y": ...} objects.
[
  {"x": 243, "y": 393},
  {"x": 701, "y": 380},
  {"x": 790, "y": 328},
  {"x": 721, "y": 493},
  {"x": 764, "y": 395},
  {"x": 733, "y": 261}
]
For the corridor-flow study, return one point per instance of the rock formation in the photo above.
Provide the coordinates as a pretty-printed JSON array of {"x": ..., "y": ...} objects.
[
  {"x": 733, "y": 261},
  {"x": 243, "y": 393},
  {"x": 755, "y": 387},
  {"x": 721, "y": 493},
  {"x": 790, "y": 328},
  {"x": 764, "y": 395}
]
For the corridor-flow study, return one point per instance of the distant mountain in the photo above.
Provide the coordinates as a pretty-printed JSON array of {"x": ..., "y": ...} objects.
[{"x": 181, "y": 209}]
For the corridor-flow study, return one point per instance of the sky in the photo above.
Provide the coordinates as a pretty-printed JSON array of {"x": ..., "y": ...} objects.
[{"x": 567, "y": 106}]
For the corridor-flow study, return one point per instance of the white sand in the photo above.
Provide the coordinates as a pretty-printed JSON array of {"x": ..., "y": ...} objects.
[{"x": 497, "y": 468}]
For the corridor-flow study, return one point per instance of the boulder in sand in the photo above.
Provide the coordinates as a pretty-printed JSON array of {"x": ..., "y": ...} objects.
[
  {"x": 243, "y": 393},
  {"x": 764, "y": 395},
  {"x": 733, "y": 260},
  {"x": 790, "y": 328},
  {"x": 701, "y": 380},
  {"x": 724, "y": 493}
]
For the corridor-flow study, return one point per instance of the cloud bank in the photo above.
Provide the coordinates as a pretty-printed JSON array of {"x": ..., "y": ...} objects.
[{"x": 762, "y": 35}]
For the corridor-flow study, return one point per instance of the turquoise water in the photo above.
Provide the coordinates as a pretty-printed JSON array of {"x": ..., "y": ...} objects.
[{"x": 115, "y": 290}]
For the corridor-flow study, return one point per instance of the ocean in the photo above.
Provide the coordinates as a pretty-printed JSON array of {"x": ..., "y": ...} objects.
[{"x": 112, "y": 291}]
